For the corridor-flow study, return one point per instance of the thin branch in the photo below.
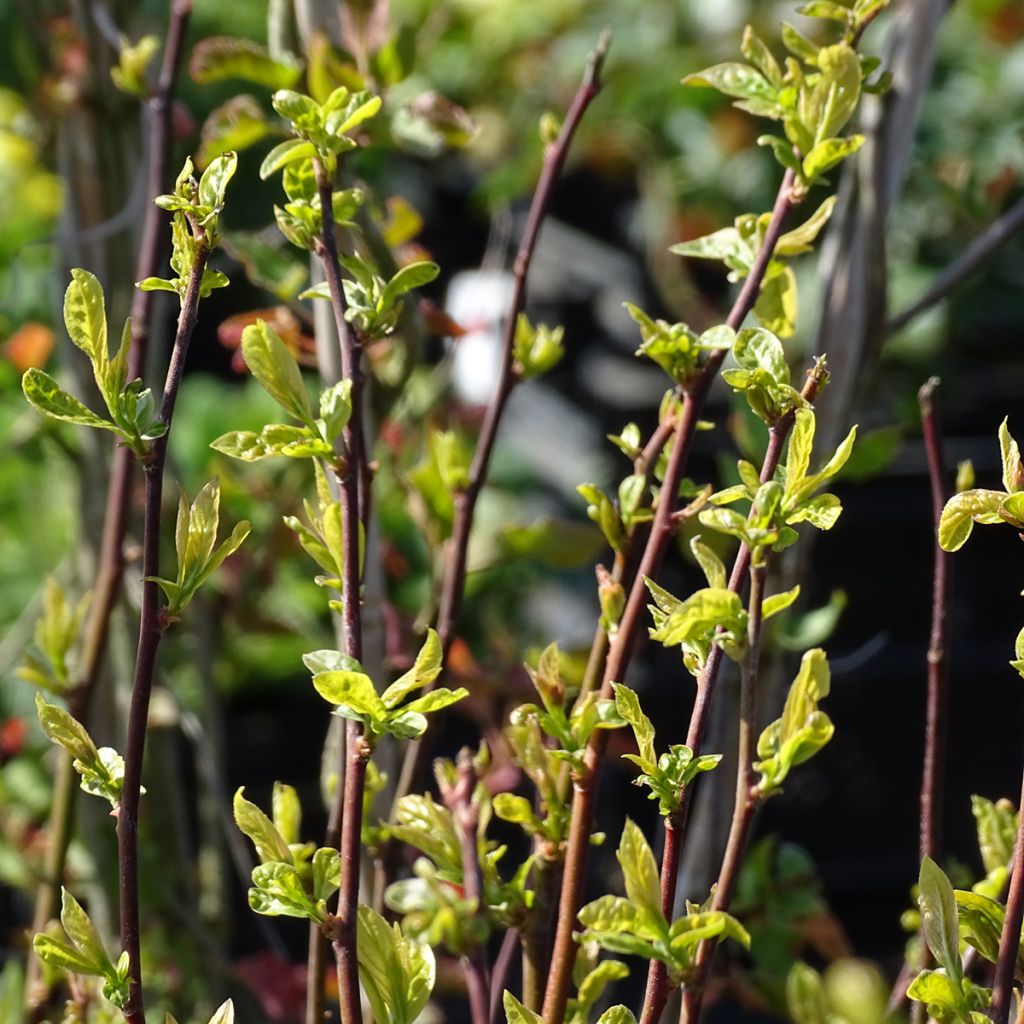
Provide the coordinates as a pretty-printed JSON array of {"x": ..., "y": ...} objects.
[
  {"x": 747, "y": 799},
  {"x": 993, "y": 238},
  {"x": 621, "y": 648},
  {"x": 110, "y": 562},
  {"x": 151, "y": 628},
  {"x": 502, "y": 966},
  {"x": 345, "y": 826},
  {"x": 457, "y": 550},
  {"x": 1009, "y": 940},
  {"x": 657, "y": 977},
  {"x": 938, "y": 645},
  {"x": 461, "y": 800}
]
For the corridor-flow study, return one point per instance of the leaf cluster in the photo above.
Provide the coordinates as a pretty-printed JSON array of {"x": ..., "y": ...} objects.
[
  {"x": 292, "y": 879},
  {"x": 668, "y": 775},
  {"x": 737, "y": 247},
  {"x": 373, "y": 305},
  {"x": 131, "y": 409},
  {"x": 712, "y": 615},
  {"x": 275, "y": 368},
  {"x": 778, "y": 505},
  {"x": 803, "y": 728},
  {"x": 195, "y": 540},
  {"x": 50, "y": 665},
  {"x": 951, "y": 997},
  {"x": 341, "y": 681},
  {"x": 634, "y": 925},
  {"x": 397, "y": 972},
  {"x": 195, "y": 226},
  {"x": 101, "y": 768},
  {"x": 676, "y": 348},
  {"x": 84, "y": 952},
  {"x": 536, "y": 348}
]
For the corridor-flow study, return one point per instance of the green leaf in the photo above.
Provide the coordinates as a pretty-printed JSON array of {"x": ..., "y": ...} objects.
[
  {"x": 85, "y": 317},
  {"x": 741, "y": 81},
  {"x": 980, "y": 923},
  {"x": 60, "y": 954},
  {"x": 628, "y": 705},
  {"x": 757, "y": 348},
  {"x": 939, "y": 917},
  {"x": 937, "y": 990},
  {"x": 215, "y": 178},
  {"x": 156, "y": 284},
  {"x": 277, "y": 891},
  {"x": 66, "y": 731},
  {"x": 517, "y": 1013},
  {"x": 82, "y": 933},
  {"x": 270, "y": 844},
  {"x": 424, "y": 671},
  {"x": 822, "y": 512},
  {"x": 284, "y": 153},
  {"x": 827, "y": 154},
  {"x": 351, "y": 690},
  {"x": 710, "y": 563},
  {"x": 840, "y": 86},
  {"x": 397, "y": 972},
  {"x": 639, "y": 870},
  {"x": 437, "y": 699},
  {"x": 724, "y": 244},
  {"x": 776, "y": 306},
  {"x": 218, "y": 58},
  {"x": 962, "y": 511},
  {"x": 46, "y": 396},
  {"x": 801, "y": 239},
  {"x": 287, "y": 812},
  {"x": 326, "y": 873},
  {"x": 755, "y": 50},
  {"x": 779, "y": 602},
  {"x": 826, "y": 9},
  {"x": 275, "y": 368},
  {"x": 1013, "y": 468},
  {"x": 413, "y": 275},
  {"x": 805, "y": 996},
  {"x": 617, "y": 1015},
  {"x": 801, "y": 444}
]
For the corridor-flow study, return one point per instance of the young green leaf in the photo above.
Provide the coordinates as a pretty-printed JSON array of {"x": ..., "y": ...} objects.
[
  {"x": 271, "y": 846},
  {"x": 397, "y": 972},
  {"x": 938, "y": 909},
  {"x": 275, "y": 368}
]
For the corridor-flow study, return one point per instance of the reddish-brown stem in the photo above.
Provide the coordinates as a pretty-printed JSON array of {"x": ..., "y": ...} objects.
[
  {"x": 150, "y": 631},
  {"x": 110, "y": 561},
  {"x": 347, "y": 814},
  {"x": 938, "y": 671},
  {"x": 620, "y": 650},
  {"x": 657, "y": 977},
  {"x": 457, "y": 550},
  {"x": 502, "y": 965},
  {"x": 746, "y": 801},
  {"x": 1009, "y": 940},
  {"x": 460, "y": 799},
  {"x": 938, "y": 645}
]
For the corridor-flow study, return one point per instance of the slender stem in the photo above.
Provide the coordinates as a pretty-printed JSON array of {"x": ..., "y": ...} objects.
[
  {"x": 150, "y": 630},
  {"x": 537, "y": 933},
  {"x": 457, "y": 549},
  {"x": 620, "y": 650},
  {"x": 460, "y": 799},
  {"x": 657, "y": 977},
  {"x": 993, "y": 238},
  {"x": 747, "y": 798},
  {"x": 1009, "y": 940},
  {"x": 110, "y": 563},
  {"x": 502, "y": 965},
  {"x": 353, "y": 481},
  {"x": 938, "y": 670},
  {"x": 345, "y": 926}
]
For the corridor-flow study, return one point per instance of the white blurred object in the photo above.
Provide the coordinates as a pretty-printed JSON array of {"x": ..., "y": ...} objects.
[{"x": 478, "y": 300}]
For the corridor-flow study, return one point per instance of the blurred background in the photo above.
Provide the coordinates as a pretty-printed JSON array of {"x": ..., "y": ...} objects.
[{"x": 468, "y": 83}]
